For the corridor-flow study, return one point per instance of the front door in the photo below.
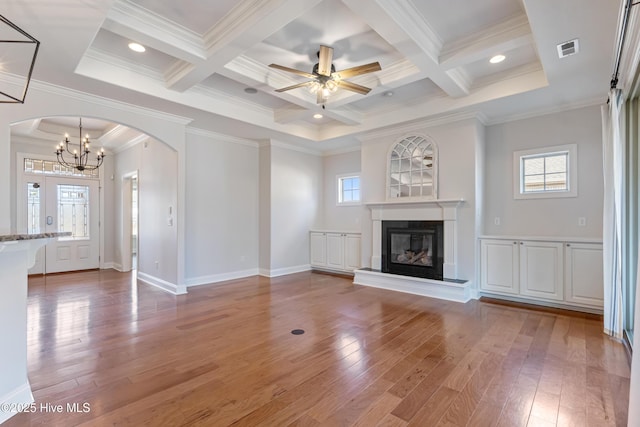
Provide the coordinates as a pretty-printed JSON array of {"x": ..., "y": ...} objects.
[{"x": 67, "y": 204}]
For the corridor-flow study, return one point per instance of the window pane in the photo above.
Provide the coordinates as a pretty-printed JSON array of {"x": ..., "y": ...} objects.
[
  {"x": 356, "y": 195},
  {"x": 556, "y": 181},
  {"x": 533, "y": 183},
  {"x": 355, "y": 183},
  {"x": 33, "y": 208},
  {"x": 533, "y": 165},
  {"x": 347, "y": 184},
  {"x": 555, "y": 164},
  {"x": 73, "y": 210},
  {"x": 346, "y": 196}
]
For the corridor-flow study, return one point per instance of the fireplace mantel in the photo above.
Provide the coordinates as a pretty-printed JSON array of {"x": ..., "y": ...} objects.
[
  {"x": 445, "y": 210},
  {"x": 443, "y": 203}
]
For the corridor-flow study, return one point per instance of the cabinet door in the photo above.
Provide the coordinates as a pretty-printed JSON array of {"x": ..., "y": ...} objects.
[
  {"x": 335, "y": 250},
  {"x": 499, "y": 266},
  {"x": 583, "y": 275},
  {"x": 541, "y": 270},
  {"x": 318, "y": 249},
  {"x": 351, "y": 252}
]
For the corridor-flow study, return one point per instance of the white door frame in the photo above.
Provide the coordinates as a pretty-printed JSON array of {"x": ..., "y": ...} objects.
[
  {"x": 126, "y": 248},
  {"x": 22, "y": 178}
]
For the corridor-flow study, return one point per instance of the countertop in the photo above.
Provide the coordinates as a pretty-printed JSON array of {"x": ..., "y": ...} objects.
[{"x": 16, "y": 237}]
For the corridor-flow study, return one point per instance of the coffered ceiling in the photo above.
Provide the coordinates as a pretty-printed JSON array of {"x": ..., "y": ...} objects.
[{"x": 202, "y": 55}]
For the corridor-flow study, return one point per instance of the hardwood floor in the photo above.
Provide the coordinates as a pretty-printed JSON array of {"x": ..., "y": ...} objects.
[{"x": 224, "y": 355}]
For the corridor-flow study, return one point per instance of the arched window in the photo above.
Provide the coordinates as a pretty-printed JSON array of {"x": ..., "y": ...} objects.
[{"x": 413, "y": 169}]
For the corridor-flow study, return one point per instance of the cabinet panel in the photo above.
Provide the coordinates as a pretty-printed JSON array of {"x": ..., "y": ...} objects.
[
  {"x": 583, "y": 276},
  {"x": 499, "y": 266},
  {"x": 352, "y": 252},
  {"x": 335, "y": 251},
  {"x": 541, "y": 270},
  {"x": 318, "y": 250}
]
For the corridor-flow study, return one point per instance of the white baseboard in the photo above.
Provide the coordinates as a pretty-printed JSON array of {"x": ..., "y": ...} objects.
[
  {"x": 544, "y": 303},
  {"x": 284, "y": 271},
  {"x": 450, "y": 291},
  {"x": 113, "y": 265},
  {"x": 215, "y": 278},
  {"x": 18, "y": 398},
  {"x": 172, "y": 288}
]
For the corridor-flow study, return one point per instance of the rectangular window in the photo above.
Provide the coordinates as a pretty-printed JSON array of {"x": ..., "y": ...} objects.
[
  {"x": 349, "y": 189},
  {"x": 546, "y": 172}
]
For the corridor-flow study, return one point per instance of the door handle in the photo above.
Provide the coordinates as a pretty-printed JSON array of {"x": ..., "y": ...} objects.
[{"x": 49, "y": 220}]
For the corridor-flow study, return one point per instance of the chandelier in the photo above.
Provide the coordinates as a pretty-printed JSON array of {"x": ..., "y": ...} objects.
[{"x": 80, "y": 155}]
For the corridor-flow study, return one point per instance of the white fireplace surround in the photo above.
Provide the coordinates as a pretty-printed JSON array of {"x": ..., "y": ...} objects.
[
  {"x": 431, "y": 210},
  {"x": 424, "y": 210}
]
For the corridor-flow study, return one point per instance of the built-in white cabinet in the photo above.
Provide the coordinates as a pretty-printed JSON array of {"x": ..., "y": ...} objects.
[
  {"x": 568, "y": 273},
  {"x": 335, "y": 250},
  {"x": 501, "y": 266},
  {"x": 318, "y": 249},
  {"x": 541, "y": 270},
  {"x": 583, "y": 274}
]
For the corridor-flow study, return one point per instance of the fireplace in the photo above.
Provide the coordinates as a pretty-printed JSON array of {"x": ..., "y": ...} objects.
[{"x": 413, "y": 248}]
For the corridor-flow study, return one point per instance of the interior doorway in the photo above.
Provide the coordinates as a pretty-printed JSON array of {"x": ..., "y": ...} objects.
[{"x": 130, "y": 240}]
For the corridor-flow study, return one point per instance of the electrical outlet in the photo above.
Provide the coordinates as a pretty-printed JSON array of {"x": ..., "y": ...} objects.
[
  {"x": 157, "y": 265},
  {"x": 496, "y": 220},
  {"x": 582, "y": 221}
]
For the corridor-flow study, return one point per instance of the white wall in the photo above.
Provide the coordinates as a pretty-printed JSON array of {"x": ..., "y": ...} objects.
[
  {"x": 295, "y": 207},
  {"x": 340, "y": 218},
  {"x": 222, "y": 217},
  {"x": 264, "y": 199},
  {"x": 458, "y": 145},
  {"x": 545, "y": 217}
]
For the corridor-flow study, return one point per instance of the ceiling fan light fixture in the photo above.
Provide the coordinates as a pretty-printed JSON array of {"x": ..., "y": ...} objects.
[{"x": 317, "y": 116}]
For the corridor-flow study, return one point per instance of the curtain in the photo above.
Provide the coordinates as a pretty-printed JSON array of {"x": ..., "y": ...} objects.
[{"x": 612, "y": 146}]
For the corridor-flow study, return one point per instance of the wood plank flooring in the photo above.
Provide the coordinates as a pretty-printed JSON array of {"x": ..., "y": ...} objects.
[{"x": 224, "y": 355}]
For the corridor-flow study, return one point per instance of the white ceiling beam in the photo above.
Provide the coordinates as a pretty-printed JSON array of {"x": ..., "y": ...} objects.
[
  {"x": 401, "y": 25},
  {"x": 246, "y": 25},
  {"x": 505, "y": 36},
  {"x": 138, "y": 24}
]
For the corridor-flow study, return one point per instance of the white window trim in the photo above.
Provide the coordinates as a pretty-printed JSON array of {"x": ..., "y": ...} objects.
[
  {"x": 572, "y": 172},
  {"x": 339, "y": 189}
]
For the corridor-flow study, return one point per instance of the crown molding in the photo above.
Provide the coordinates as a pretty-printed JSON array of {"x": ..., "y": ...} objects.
[
  {"x": 115, "y": 61},
  {"x": 132, "y": 16},
  {"x": 414, "y": 24},
  {"x": 107, "y": 102},
  {"x": 131, "y": 143},
  {"x": 545, "y": 111},
  {"x": 421, "y": 124},
  {"x": 279, "y": 144},
  {"x": 344, "y": 150},
  {"x": 221, "y": 137}
]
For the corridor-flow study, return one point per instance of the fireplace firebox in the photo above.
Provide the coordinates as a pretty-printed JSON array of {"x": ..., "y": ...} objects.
[{"x": 413, "y": 248}]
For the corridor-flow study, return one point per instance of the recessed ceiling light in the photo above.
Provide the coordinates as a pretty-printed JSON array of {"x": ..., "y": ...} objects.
[
  {"x": 497, "y": 59},
  {"x": 136, "y": 47},
  {"x": 388, "y": 93},
  {"x": 317, "y": 116},
  {"x": 250, "y": 90}
]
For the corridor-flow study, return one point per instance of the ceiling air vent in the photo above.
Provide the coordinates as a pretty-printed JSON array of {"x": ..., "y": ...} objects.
[{"x": 568, "y": 48}]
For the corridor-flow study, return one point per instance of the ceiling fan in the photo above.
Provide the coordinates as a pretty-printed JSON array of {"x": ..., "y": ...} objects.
[{"x": 325, "y": 79}]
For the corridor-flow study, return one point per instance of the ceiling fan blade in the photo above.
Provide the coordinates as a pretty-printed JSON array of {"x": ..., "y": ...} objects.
[
  {"x": 360, "y": 69},
  {"x": 293, "y": 70},
  {"x": 353, "y": 87},
  {"x": 294, "y": 86},
  {"x": 324, "y": 60}
]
